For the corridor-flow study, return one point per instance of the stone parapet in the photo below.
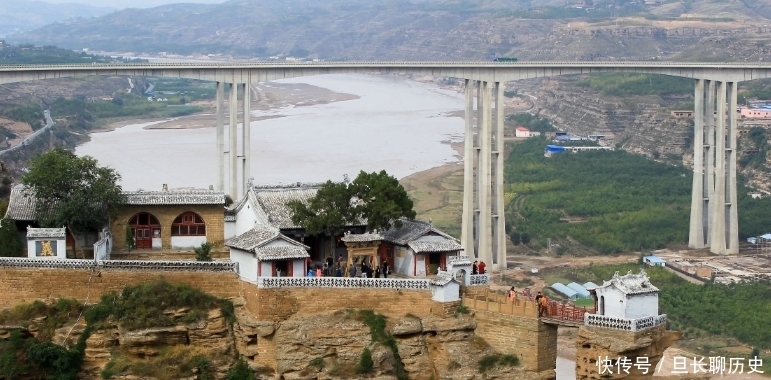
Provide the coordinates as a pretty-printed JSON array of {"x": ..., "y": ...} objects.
[
  {"x": 156, "y": 265},
  {"x": 627, "y": 324},
  {"x": 342, "y": 282}
]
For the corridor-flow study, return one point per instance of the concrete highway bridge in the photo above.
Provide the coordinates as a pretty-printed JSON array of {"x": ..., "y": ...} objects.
[{"x": 713, "y": 223}]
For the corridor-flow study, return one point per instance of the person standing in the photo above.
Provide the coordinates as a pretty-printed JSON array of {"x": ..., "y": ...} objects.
[
  {"x": 352, "y": 271},
  {"x": 310, "y": 272},
  {"x": 338, "y": 271},
  {"x": 513, "y": 295},
  {"x": 475, "y": 268},
  {"x": 482, "y": 267},
  {"x": 385, "y": 268},
  {"x": 377, "y": 272},
  {"x": 318, "y": 272},
  {"x": 538, "y": 303}
]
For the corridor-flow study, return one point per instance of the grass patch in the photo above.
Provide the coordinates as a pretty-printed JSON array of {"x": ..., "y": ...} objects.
[
  {"x": 144, "y": 305},
  {"x": 171, "y": 363},
  {"x": 318, "y": 362},
  {"x": 240, "y": 371},
  {"x": 487, "y": 362},
  {"x": 56, "y": 315},
  {"x": 584, "y": 302},
  {"x": 462, "y": 309},
  {"x": 377, "y": 325}
]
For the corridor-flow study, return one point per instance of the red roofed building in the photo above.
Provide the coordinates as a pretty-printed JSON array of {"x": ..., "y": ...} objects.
[{"x": 524, "y": 132}]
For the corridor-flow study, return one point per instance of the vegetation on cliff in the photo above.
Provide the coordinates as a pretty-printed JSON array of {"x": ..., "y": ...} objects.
[
  {"x": 28, "y": 54},
  {"x": 145, "y": 305},
  {"x": 611, "y": 201},
  {"x": 29, "y": 349},
  {"x": 625, "y": 84}
]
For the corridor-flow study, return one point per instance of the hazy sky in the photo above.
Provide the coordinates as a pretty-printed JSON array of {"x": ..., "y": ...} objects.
[{"x": 132, "y": 3}]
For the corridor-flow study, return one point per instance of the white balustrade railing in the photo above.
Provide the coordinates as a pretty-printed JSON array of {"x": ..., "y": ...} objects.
[
  {"x": 342, "y": 282},
  {"x": 154, "y": 265},
  {"x": 479, "y": 280},
  {"x": 626, "y": 324}
]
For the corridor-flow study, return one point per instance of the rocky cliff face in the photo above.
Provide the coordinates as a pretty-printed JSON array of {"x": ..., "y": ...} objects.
[
  {"x": 327, "y": 345},
  {"x": 593, "y": 343}
]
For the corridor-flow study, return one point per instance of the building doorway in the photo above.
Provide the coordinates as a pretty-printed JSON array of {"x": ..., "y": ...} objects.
[
  {"x": 282, "y": 268},
  {"x": 602, "y": 305},
  {"x": 144, "y": 226}
]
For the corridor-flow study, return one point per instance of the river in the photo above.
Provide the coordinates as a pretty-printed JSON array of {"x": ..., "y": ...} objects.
[{"x": 396, "y": 125}]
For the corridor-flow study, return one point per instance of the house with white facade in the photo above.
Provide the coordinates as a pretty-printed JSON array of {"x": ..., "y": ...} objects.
[
  {"x": 628, "y": 302},
  {"x": 264, "y": 252},
  {"x": 418, "y": 249},
  {"x": 266, "y": 205},
  {"x": 524, "y": 132}
]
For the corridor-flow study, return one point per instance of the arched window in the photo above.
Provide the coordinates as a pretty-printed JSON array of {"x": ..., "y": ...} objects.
[{"x": 188, "y": 224}]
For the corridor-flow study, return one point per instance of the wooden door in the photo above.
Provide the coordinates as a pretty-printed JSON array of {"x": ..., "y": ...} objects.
[{"x": 143, "y": 238}]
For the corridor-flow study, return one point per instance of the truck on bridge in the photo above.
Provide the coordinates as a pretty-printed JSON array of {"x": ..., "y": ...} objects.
[{"x": 504, "y": 59}]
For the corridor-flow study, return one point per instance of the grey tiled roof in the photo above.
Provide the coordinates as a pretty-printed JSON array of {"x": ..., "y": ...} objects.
[
  {"x": 446, "y": 245},
  {"x": 273, "y": 201},
  {"x": 175, "y": 197},
  {"x": 230, "y": 215},
  {"x": 631, "y": 283},
  {"x": 281, "y": 253},
  {"x": 46, "y": 233},
  {"x": 257, "y": 240},
  {"x": 362, "y": 238},
  {"x": 22, "y": 204},
  {"x": 441, "y": 279},
  {"x": 411, "y": 230}
]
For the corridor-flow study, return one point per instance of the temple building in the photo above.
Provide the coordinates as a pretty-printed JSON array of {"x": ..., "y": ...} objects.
[{"x": 264, "y": 252}]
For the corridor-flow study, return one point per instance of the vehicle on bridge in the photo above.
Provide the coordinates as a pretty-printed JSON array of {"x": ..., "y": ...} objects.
[{"x": 504, "y": 59}]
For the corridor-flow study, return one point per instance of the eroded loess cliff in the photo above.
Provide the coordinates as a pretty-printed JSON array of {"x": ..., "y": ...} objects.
[
  {"x": 594, "y": 343},
  {"x": 328, "y": 345}
]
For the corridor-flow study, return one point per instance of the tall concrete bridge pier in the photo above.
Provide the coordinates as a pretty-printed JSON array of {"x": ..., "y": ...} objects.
[{"x": 713, "y": 222}]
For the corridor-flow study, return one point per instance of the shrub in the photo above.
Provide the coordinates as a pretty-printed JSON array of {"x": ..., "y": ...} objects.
[
  {"x": 202, "y": 252},
  {"x": 489, "y": 361},
  {"x": 318, "y": 362},
  {"x": 365, "y": 362},
  {"x": 462, "y": 309},
  {"x": 240, "y": 371}
]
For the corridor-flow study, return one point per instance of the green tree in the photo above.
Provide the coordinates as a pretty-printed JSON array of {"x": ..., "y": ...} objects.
[
  {"x": 10, "y": 244},
  {"x": 73, "y": 191},
  {"x": 202, "y": 252},
  {"x": 382, "y": 200},
  {"x": 525, "y": 238},
  {"x": 129, "y": 238}
]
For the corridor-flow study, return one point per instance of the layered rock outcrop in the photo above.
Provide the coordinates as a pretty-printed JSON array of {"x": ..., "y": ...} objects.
[{"x": 594, "y": 343}]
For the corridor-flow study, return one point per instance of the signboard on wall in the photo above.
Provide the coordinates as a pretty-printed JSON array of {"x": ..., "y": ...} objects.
[{"x": 45, "y": 248}]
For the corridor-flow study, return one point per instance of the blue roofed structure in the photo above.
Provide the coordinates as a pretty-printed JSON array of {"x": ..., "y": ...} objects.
[
  {"x": 654, "y": 261},
  {"x": 564, "y": 290},
  {"x": 580, "y": 290},
  {"x": 590, "y": 285}
]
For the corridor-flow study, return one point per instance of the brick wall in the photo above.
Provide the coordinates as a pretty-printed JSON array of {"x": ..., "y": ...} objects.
[
  {"x": 18, "y": 285},
  {"x": 212, "y": 215},
  {"x": 279, "y": 304},
  {"x": 534, "y": 342}
]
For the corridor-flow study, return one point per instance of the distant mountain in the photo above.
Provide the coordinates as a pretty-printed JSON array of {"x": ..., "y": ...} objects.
[
  {"x": 23, "y": 15},
  {"x": 430, "y": 29}
]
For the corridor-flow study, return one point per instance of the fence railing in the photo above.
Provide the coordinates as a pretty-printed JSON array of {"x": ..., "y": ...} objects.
[
  {"x": 479, "y": 280},
  {"x": 156, "y": 265},
  {"x": 626, "y": 324},
  {"x": 342, "y": 282}
]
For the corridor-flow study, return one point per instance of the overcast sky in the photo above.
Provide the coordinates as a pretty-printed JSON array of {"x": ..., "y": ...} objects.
[{"x": 132, "y": 3}]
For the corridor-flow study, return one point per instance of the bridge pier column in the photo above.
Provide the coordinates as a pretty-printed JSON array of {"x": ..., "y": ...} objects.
[
  {"x": 220, "y": 136},
  {"x": 245, "y": 136},
  {"x": 718, "y": 206},
  {"x": 469, "y": 156},
  {"x": 478, "y": 183},
  {"x": 699, "y": 193},
  {"x": 233, "y": 139},
  {"x": 709, "y": 151},
  {"x": 732, "y": 211},
  {"x": 498, "y": 218},
  {"x": 484, "y": 172}
]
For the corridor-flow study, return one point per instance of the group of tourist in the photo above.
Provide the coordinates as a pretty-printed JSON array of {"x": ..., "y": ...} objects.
[
  {"x": 478, "y": 267},
  {"x": 541, "y": 301},
  {"x": 365, "y": 269}
]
